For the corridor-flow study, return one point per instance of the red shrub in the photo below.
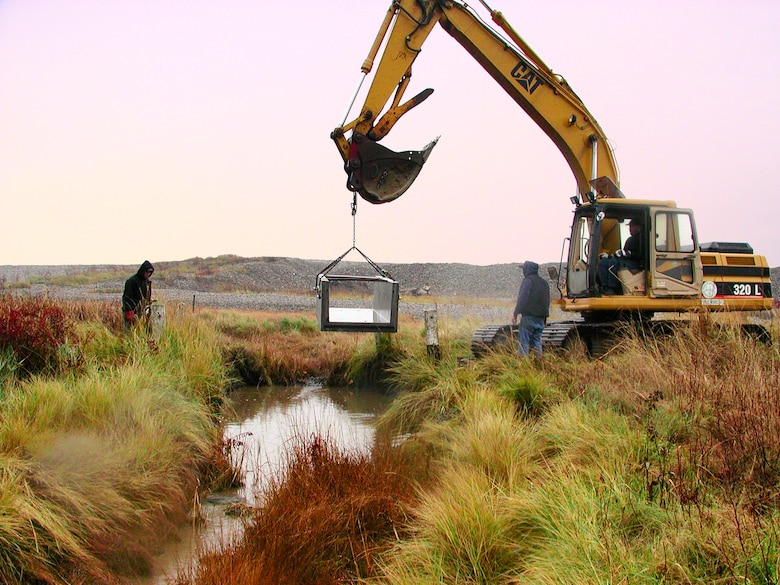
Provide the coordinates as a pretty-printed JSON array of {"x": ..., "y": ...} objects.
[{"x": 34, "y": 328}]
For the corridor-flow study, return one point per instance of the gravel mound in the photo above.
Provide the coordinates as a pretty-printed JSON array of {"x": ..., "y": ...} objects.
[
  {"x": 282, "y": 284},
  {"x": 291, "y": 275}
]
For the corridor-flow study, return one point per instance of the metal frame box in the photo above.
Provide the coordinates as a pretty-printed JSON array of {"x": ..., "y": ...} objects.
[{"x": 376, "y": 311}]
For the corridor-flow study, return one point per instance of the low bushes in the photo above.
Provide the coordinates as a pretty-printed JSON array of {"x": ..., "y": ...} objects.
[{"x": 33, "y": 329}]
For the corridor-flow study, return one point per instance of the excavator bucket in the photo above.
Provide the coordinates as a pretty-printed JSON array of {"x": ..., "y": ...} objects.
[{"x": 379, "y": 174}]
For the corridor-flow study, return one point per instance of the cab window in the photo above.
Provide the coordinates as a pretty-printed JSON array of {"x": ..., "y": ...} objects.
[{"x": 673, "y": 232}]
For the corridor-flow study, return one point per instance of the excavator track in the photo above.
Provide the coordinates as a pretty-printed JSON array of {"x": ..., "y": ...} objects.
[
  {"x": 596, "y": 337},
  {"x": 491, "y": 337}
]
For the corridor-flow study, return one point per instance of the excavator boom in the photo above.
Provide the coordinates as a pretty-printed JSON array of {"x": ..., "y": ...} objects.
[{"x": 379, "y": 175}]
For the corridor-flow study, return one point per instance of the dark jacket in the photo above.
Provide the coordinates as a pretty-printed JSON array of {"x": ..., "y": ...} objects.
[
  {"x": 138, "y": 290},
  {"x": 634, "y": 249},
  {"x": 533, "y": 298}
]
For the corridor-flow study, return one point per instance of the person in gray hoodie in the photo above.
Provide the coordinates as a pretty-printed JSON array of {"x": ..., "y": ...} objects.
[{"x": 533, "y": 304}]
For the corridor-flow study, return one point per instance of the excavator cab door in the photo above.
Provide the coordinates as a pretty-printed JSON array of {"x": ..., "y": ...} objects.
[
  {"x": 578, "y": 281},
  {"x": 676, "y": 264}
]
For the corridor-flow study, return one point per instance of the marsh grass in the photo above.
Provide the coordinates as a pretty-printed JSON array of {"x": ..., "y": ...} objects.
[
  {"x": 372, "y": 358},
  {"x": 103, "y": 312},
  {"x": 9, "y": 364},
  {"x": 658, "y": 463},
  {"x": 655, "y": 464},
  {"x": 99, "y": 464},
  {"x": 277, "y": 349},
  {"x": 286, "y": 349},
  {"x": 711, "y": 396},
  {"x": 430, "y": 390}
]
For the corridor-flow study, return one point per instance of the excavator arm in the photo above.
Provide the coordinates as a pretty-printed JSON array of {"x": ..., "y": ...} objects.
[{"x": 380, "y": 175}]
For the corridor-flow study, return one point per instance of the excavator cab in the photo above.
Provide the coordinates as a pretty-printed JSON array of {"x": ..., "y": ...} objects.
[
  {"x": 599, "y": 234},
  {"x": 380, "y": 175},
  {"x": 666, "y": 267}
]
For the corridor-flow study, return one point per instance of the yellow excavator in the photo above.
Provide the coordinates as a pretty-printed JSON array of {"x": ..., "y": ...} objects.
[{"x": 671, "y": 273}]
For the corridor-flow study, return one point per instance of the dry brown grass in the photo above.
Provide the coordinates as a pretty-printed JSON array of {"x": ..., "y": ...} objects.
[
  {"x": 710, "y": 399},
  {"x": 267, "y": 348},
  {"x": 108, "y": 314},
  {"x": 325, "y": 522}
]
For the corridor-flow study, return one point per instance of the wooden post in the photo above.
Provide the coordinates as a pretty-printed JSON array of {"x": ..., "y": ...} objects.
[
  {"x": 157, "y": 317},
  {"x": 432, "y": 335}
]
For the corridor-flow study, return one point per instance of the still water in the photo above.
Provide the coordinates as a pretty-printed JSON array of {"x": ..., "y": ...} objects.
[{"x": 262, "y": 425}]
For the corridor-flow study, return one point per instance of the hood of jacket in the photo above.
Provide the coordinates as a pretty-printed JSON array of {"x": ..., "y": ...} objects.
[
  {"x": 530, "y": 267},
  {"x": 144, "y": 267}
]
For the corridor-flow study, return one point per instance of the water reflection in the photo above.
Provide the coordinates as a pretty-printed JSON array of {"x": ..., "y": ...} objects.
[
  {"x": 263, "y": 423},
  {"x": 268, "y": 421}
]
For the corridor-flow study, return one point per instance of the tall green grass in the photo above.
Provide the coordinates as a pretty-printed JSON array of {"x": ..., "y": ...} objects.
[
  {"x": 97, "y": 465},
  {"x": 657, "y": 464}
]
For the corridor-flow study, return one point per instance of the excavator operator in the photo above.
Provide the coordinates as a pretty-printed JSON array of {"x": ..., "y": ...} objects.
[{"x": 630, "y": 257}]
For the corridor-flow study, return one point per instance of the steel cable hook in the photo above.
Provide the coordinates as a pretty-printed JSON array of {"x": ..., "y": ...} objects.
[{"x": 354, "y": 213}]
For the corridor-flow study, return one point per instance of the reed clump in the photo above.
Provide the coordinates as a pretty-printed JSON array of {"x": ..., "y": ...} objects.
[
  {"x": 101, "y": 459},
  {"x": 287, "y": 349},
  {"x": 325, "y": 520}
]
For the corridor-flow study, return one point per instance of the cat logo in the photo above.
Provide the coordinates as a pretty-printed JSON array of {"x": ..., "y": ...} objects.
[
  {"x": 709, "y": 289},
  {"x": 528, "y": 79}
]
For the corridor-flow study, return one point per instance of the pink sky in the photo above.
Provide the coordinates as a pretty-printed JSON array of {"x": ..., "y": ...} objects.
[{"x": 168, "y": 129}]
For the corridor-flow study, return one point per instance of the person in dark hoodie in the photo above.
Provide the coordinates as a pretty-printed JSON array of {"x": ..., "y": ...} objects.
[
  {"x": 137, "y": 296},
  {"x": 533, "y": 304}
]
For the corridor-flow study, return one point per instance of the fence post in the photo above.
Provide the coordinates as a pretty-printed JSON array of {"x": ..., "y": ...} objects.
[
  {"x": 432, "y": 334},
  {"x": 157, "y": 316}
]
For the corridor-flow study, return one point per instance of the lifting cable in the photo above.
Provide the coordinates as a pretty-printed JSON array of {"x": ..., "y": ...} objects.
[{"x": 333, "y": 264}]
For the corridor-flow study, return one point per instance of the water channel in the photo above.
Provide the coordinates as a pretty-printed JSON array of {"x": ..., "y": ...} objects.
[{"x": 262, "y": 423}]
